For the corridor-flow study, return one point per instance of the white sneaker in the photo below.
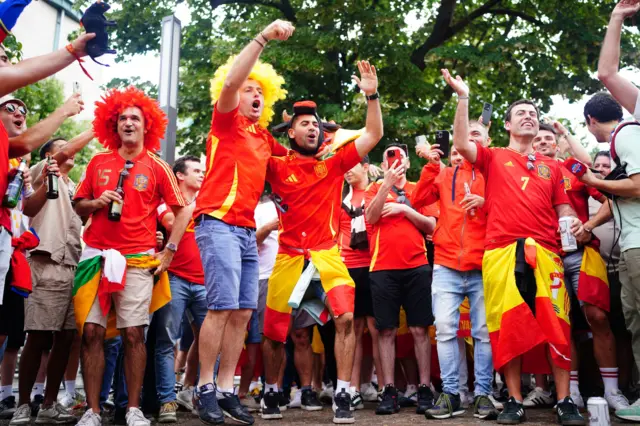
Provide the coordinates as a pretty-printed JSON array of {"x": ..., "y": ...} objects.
[
  {"x": 66, "y": 400},
  {"x": 21, "y": 416},
  {"x": 577, "y": 399},
  {"x": 56, "y": 414},
  {"x": 356, "y": 399},
  {"x": 136, "y": 418},
  {"x": 296, "y": 402},
  {"x": 327, "y": 392},
  {"x": 184, "y": 398},
  {"x": 499, "y": 405},
  {"x": 257, "y": 386},
  {"x": 368, "y": 393},
  {"x": 411, "y": 393},
  {"x": 538, "y": 398},
  {"x": 464, "y": 399},
  {"x": 616, "y": 400},
  {"x": 90, "y": 419}
]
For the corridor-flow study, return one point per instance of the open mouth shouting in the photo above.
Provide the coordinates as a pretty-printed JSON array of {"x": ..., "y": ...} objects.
[
  {"x": 255, "y": 107},
  {"x": 18, "y": 123}
]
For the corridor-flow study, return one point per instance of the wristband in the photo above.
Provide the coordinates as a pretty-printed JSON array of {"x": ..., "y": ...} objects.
[
  {"x": 256, "y": 40},
  {"x": 266, "y": 40},
  {"x": 373, "y": 97},
  {"x": 71, "y": 50}
]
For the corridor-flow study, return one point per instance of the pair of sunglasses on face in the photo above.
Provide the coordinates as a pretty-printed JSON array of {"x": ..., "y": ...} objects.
[{"x": 11, "y": 108}]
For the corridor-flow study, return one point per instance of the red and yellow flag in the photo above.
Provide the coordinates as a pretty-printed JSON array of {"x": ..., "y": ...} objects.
[{"x": 593, "y": 284}]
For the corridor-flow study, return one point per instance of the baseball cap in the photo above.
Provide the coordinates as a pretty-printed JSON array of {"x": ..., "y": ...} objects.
[{"x": 12, "y": 99}]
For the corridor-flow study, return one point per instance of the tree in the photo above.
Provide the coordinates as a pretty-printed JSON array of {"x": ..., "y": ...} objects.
[{"x": 506, "y": 49}]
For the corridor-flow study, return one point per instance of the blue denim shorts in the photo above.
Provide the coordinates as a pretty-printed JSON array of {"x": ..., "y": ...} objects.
[{"x": 230, "y": 261}]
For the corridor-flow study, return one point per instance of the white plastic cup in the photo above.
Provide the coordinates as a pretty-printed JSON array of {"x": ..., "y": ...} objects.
[{"x": 598, "y": 412}]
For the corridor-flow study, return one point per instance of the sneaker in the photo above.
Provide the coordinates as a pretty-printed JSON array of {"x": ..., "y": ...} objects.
[
  {"x": 184, "y": 398},
  {"x": 538, "y": 398},
  {"x": 389, "y": 403},
  {"x": 577, "y": 399},
  {"x": 232, "y": 408},
  {"x": 631, "y": 414},
  {"x": 250, "y": 402},
  {"x": 284, "y": 401},
  {"x": 7, "y": 407},
  {"x": 309, "y": 401},
  {"x": 447, "y": 406},
  {"x": 21, "y": 416},
  {"x": 36, "y": 402},
  {"x": 368, "y": 393},
  {"x": 326, "y": 395},
  {"x": 135, "y": 417},
  {"x": 512, "y": 414},
  {"x": 466, "y": 400},
  {"x": 403, "y": 401},
  {"x": 72, "y": 401},
  {"x": 207, "y": 406},
  {"x": 168, "y": 412},
  {"x": 412, "y": 394},
  {"x": 425, "y": 399},
  {"x": 89, "y": 418},
  {"x": 483, "y": 408},
  {"x": 109, "y": 404},
  {"x": 499, "y": 405},
  {"x": 56, "y": 414},
  {"x": 342, "y": 408},
  {"x": 296, "y": 402},
  {"x": 568, "y": 413},
  {"x": 616, "y": 400},
  {"x": 356, "y": 399},
  {"x": 270, "y": 405}
]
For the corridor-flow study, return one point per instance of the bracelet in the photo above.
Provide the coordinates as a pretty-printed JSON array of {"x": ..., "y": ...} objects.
[
  {"x": 373, "y": 97},
  {"x": 266, "y": 40},
  {"x": 256, "y": 40},
  {"x": 463, "y": 97},
  {"x": 71, "y": 50}
]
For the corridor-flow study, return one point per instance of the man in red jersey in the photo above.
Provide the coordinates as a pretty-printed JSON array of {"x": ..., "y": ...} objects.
[
  {"x": 522, "y": 272},
  {"x": 586, "y": 275},
  {"x": 308, "y": 188},
  {"x": 187, "y": 290},
  {"x": 239, "y": 146},
  {"x": 130, "y": 125}
]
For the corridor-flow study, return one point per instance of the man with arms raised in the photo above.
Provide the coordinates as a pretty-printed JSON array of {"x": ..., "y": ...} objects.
[
  {"x": 308, "y": 188},
  {"x": 522, "y": 272}
]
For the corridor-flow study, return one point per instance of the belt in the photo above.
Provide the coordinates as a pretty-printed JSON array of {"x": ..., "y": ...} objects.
[{"x": 205, "y": 217}]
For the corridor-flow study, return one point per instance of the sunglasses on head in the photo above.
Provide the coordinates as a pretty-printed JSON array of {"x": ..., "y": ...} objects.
[{"x": 11, "y": 108}]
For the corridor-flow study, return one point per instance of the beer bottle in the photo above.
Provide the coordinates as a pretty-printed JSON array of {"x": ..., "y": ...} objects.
[
  {"x": 52, "y": 183},
  {"x": 115, "y": 208},
  {"x": 14, "y": 190}
]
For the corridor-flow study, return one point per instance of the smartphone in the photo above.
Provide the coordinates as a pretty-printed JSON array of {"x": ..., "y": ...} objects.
[
  {"x": 76, "y": 88},
  {"x": 392, "y": 157},
  {"x": 442, "y": 139},
  {"x": 487, "y": 110}
]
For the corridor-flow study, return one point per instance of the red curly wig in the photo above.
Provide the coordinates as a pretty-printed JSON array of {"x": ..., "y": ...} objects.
[{"x": 113, "y": 103}]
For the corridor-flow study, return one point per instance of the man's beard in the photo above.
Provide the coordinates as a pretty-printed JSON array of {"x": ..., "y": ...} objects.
[{"x": 304, "y": 151}]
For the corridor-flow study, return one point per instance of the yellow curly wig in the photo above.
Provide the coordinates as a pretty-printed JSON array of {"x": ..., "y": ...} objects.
[{"x": 265, "y": 75}]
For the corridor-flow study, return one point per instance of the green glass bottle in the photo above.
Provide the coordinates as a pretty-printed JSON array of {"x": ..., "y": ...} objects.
[{"x": 14, "y": 190}]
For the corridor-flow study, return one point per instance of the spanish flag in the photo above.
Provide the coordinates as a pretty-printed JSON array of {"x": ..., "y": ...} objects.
[
  {"x": 513, "y": 328},
  {"x": 464, "y": 326},
  {"x": 593, "y": 283},
  {"x": 92, "y": 277}
]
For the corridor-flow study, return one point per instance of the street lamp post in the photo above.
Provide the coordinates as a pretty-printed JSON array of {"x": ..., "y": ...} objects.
[{"x": 168, "y": 89}]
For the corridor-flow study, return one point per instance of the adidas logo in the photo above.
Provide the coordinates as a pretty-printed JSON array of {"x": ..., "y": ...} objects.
[
  {"x": 291, "y": 179},
  {"x": 508, "y": 164},
  {"x": 251, "y": 129}
]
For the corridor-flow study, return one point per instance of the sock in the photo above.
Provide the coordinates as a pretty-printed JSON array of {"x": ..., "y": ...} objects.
[
  {"x": 574, "y": 385},
  {"x": 271, "y": 388},
  {"x": 305, "y": 388},
  {"x": 209, "y": 387},
  {"x": 342, "y": 385},
  {"x": 220, "y": 392},
  {"x": 610, "y": 379},
  {"x": 38, "y": 389},
  {"x": 70, "y": 386},
  {"x": 6, "y": 392}
]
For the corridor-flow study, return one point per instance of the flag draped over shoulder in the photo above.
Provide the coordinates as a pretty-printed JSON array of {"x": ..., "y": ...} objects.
[
  {"x": 593, "y": 283},
  {"x": 513, "y": 328},
  {"x": 94, "y": 279}
]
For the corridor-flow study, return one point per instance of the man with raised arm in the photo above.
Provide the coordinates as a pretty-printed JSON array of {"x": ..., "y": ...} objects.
[{"x": 526, "y": 300}]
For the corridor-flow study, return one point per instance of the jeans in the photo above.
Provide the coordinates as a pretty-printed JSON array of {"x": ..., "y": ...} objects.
[
  {"x": 184, "y": 296},
  {"x": 114, "y": 373},
  {"x": 448, "y": 289},
  {"x": 630, "y": 296}
]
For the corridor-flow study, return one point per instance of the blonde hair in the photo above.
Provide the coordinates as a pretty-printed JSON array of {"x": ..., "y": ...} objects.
[{"x": 268, "y": 79}]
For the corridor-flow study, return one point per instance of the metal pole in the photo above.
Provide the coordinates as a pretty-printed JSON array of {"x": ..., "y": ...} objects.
[{"x": 168, "y": 88}]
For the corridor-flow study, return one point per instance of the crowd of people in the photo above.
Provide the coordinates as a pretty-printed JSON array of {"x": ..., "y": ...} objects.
[{"x": 340, "y": 283}]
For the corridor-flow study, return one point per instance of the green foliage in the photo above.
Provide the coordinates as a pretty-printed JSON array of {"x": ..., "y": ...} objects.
[{"x": 505, "y": 49}]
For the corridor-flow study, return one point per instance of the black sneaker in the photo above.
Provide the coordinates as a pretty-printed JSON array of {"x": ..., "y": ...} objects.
[
  {"x": 309, "y": 401},
  {"x": 207, "y": 405},
  {"x": 232, "y": 408},
  {"x": 568, "y": 414},
  {"x": 7, "y": 407},
  {"x": 120, "y": 416},
  {"x": 512, "y": 414},
  {"x": 447, "y": 406},
  {"x": 285, "y": 400},
  {"x": 342, "y": 413},
  {"x": 425, "y": 399},
  {"x": 483, "y": 408},
  {"x": 270, "y": 406},
  {"x": 35, "y": 404},
  {"x": 389, "y": 403}
]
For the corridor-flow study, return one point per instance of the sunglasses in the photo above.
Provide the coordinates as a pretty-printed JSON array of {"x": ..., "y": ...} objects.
[
  {"x": 11, "y": 108},
  {"x": 277, "y": 200}
]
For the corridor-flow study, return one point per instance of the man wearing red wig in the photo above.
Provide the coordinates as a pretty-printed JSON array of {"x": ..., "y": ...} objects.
[{"x": 129, "y": 125}]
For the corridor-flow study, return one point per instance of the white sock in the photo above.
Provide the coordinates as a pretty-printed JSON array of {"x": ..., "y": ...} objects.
[
  {"x": 70, "y": 386},
  {"x": 574, "y": 385},
  {"x": 610, "y": 379},
  {"x": 220, "y": 392},
  {"x": 5, "y": 392},
  {"x": 271, "y": 388},
  {"x": 342, "y": 385},
  {"x": 38, "y": 389}
]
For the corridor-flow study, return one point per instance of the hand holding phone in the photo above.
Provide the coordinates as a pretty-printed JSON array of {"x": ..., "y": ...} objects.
[
  {"x": 487, "y": 110},
  {"x": 442, "y": 139},
  {"x": 76, "y": 88}
]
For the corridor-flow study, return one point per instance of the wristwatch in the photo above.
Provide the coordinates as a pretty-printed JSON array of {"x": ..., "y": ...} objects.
[
  {"x": 171, "y": 246},
  {"x": 373, "y": 97}
]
